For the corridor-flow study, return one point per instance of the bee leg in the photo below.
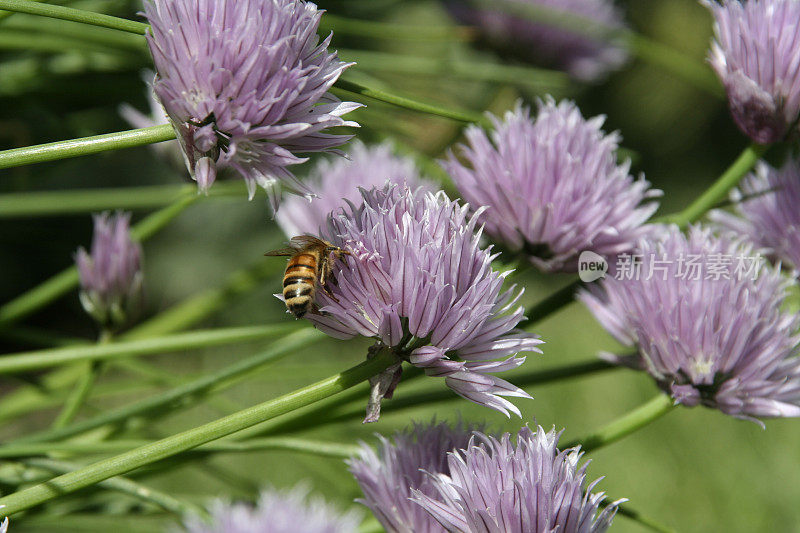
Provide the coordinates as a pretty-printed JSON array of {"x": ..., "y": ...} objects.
[{"x": 324, "y": 276}]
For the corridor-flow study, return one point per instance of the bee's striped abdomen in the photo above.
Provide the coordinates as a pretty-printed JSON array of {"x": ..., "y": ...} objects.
[{"x": 298, "y": 283}]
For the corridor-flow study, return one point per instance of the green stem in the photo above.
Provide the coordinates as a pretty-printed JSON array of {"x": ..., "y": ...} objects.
[
  {"x": 329, "y": 413},
  {"x": 74, "y": 15},
  {"x": 717, "y": 192},
  {"x": 182, "y": 394},
  {"x": 125, "y": 486},
  {"x": 186, "y": 440},
  {"x": 625, "y": 425},
  {"x": 313, "y": 447},
  {"x": 553, "y": 302},
  {"x": 26, "y": 361},
  {"x": 85, "y": 145},
  {"x": 459, "y": 69},
  {"x": 83, "y": 388},
  {"x": 54, "y": 203},
  {"x": 407, "y": 103},
  {"x": 66, "y": 280}
]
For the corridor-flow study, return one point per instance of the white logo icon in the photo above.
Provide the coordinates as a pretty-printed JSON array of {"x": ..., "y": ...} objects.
[{"x": 591, "y": 266}]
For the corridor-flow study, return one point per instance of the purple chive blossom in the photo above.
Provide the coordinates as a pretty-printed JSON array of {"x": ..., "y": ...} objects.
[
  {"x": 276, "y": 512},
  {"x": 388, "y": 477},
  {"x": 706, "y": 316},
  {"x": 418, "y": 281},
  {"x": 565, "y": 43},
  {"x": 335, "y": 183},
  {"x": 494, "y": 486},
  {"x": 756, "y": 54},
  {"x": 768, "y": 203},
  {"x": 111, "y": 276},
  {"x": 245, "y": 83},
  {"x": 553, "y": 186}
]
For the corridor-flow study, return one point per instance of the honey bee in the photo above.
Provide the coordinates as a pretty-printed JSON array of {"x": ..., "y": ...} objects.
[{"x": 309, "y": 263}]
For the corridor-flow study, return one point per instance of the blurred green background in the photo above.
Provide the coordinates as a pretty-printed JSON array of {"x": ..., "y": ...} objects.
[{"x": 695, "y": 470}]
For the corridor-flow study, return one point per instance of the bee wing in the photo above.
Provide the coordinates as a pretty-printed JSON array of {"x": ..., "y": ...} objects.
[
  {"x": 282, "y": 251},
  {"x": 303, "y": 241}
]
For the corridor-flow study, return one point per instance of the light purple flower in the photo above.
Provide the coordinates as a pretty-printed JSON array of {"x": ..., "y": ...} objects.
[
  {"x": 756, "y": 54},
  {"x": 706, "y": 317},
  {"x": 245, "y": 83},
  {"x": 111, "y": 277},
  {"x": 418, "y": 281},
  {"x": 494, "y": 486},
  {"x": 336, "y": 183},
  {"x": 768, "y": 204},
  {"x": 276, "y": 512},
  {"x": 553, "y": 186},
  {"x": 388, "y": 477},
  {"x": 570, "y": 44}
]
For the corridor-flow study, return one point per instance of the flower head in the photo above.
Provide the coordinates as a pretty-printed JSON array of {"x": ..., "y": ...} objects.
[
  {"x": 708, "y": 323},
  {"x": 388, "y": 477},
  {"x": 756, "y": 54},
  {"x": 418, "y": 281},
  {"x": 585, "y": 56},
  {"x": 494, "y": 486},
  {"x": 336, "y": 183},
  {"x": 768, "y": 203},
  {"x": 111, "y": 276},
  {"x": 276, "y": 512},
  {"x": 553, "y": 186},
  {"x": 245, "y": 83}
]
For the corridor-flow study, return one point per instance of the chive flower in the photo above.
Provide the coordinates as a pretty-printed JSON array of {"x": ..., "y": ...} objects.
[
  {"x": 756, "y": 54},
  {"x": 277, "y": 511},
  {"x": 495, "y": 486},
  {"x": 576, "y": 36},
  {"x": 418, "y": 281},
  {"x": 706, "y": 315},
  {"x": 245, "y": 84},
  {"x": 553, "y": 186},
  {"x": 400, "y": 465},
  {"x": 111, "y": 275},
  {"x": 767, "y": 202},
  {"x": 335, "y": 183}
]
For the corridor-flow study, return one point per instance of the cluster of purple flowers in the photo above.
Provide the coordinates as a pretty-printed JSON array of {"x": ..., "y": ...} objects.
[
  {"x": 418, "y": 280},
  {"x": 723, "y": 343},
  {"x": 756, "y": 54},
  {"x": 434, "y": 478},
  {"x": 111, "y": 276},
  {"x": 553, "y": 186},
  {"x": 275, "y": 512},
  {"x": 245, "y": 85},
  {"x": 552, "y": 32}
]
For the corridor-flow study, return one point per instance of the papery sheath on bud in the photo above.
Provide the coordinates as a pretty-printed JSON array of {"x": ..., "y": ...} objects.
[
  {"x": 496, "y": 486},
  {"x": 418, "y": 282},
  {"x": 245, "y": 84},
  {"x": 768, "y": 206},
  {"x": 276, "y": 511},
  {"x": 335, "y": 183},
  {"x": 111, "y": 276},
  {"x": 572, "y": 35},
  {"x": 400, "y": 465},
  {"x": 756, "y": 54},
  {"x": 553, "y": 186},
  {"x": 707, "y": 318}
]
